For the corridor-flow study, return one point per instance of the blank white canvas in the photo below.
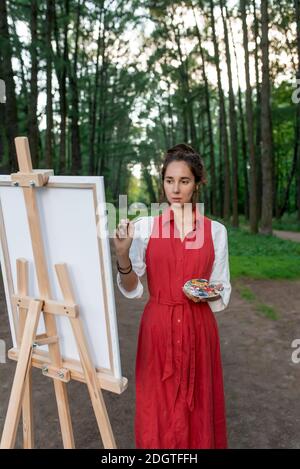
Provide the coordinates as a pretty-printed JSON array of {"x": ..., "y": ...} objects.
[{"x": 69, "y": 231}]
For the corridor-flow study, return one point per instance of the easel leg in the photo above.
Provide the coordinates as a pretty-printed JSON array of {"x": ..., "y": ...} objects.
[
  {"x": 64, "y": 414},
  {"x": 86, "y": 363},
  {"x": 27, "y": 413},
  {"x": 23, "y": 365},
  {"x": 93, "y": 386}
]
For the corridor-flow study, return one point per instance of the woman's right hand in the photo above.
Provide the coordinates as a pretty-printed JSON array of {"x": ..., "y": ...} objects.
[{"x": 123, "y": 236}]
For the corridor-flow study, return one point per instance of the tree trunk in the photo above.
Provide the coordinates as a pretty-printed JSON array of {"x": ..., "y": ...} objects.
[
  {"x": 286, "y": 196},
  {"x": 223, "y": 125},
  {"x": 149, "y": 182},
  {"x": 257, "y": 117},
  {"x": 213, "y": 181},
  {"x": 76, "y": 164},
  {"x": 33, "y": 129},
  {"x": 232, "y": 124},
  {"x": 23, "y": 98},
  {"x": 49, "y": 105},
  {"x": 7, "y": 74},
  {"x": 220, "y": 169},
  {"x": 95, "y": 96},
  {"x": 61, "y": 72},
  {"x": 101, "y": 138},
  {"x": 249, "y": 116},
  {"x": 187, "y": 102},
  {"x": 170, "y": 117},
  {"x": 242, "y": 130},
  {"x": 266, "y": 129}
]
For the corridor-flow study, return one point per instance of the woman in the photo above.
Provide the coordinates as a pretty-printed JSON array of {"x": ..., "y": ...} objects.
[{"x": 179, "y": 382}]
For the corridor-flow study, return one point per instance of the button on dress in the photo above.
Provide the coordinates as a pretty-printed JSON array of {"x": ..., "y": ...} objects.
[{"x": 179, "y": 382}]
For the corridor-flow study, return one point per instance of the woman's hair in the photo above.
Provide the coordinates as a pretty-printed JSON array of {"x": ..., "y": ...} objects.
[{"x": 184, "y": 152}]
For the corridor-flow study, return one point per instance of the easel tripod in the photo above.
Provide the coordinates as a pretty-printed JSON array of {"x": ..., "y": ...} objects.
[{"x": 30, "y": 309}]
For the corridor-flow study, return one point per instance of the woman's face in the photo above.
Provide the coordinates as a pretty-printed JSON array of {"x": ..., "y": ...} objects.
[{"x": 179, "y": 183}]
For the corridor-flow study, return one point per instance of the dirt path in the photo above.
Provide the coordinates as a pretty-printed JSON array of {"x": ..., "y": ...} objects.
[
  {"x": 261, "y": 382},
  {"x": 289, "y": 235}
]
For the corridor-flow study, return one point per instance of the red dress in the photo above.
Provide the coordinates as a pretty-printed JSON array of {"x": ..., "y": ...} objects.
[{"x": 179, "y": 381}]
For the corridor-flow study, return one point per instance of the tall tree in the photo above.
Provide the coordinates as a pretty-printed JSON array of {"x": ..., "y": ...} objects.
[
  {"x": 232, "y": 123},
  {"x": 33, "y": 129},
  {"x": 101, "y": 167},
  {"x": 213, "y": 181},
  {"x": 242, "y": 126},
  {"x": 257, "y": 110},
  {"x": 250, "y": 130},
  {"x": 7, "y": 74},
  {"x": 224, "y": 149},
  {"x": 266, "y": 132},
  {"x": 61, "y": 62},
  {"x": 49, "y": 105},
  {"x": 76, "y": 164},
  {"x": 94, "y": 96}
]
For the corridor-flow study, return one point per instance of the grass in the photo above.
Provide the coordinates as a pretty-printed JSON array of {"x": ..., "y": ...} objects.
[
  {"x": 288, "y": 222},
  {"x": 262, "y": 257},
  {"x": 247, "y": 293},
  {"x": 261, "y": 308},
  {"x": 267, "y": 311}
]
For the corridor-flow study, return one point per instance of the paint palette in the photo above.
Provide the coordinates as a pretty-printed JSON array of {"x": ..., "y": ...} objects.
[{"x": 200, "y": 288}]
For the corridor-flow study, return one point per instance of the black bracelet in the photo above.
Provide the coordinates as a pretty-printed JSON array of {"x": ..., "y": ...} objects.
[
  {"x": 121, "y": 269},
  {"x": 124, "y": 273}
]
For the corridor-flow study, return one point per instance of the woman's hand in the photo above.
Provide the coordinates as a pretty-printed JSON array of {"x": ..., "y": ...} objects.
[{"x": 123, "y": 236}]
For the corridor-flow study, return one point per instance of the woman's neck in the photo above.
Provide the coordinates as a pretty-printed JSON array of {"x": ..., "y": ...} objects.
[{"x": 184, "y": 215}]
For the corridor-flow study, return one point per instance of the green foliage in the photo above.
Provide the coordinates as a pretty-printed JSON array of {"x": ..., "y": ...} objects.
[
  {"x": 264, "y": 267},
  {"x": 288, "y": 222},
  {"x": 261, "y": 308},
  {"x": 247, "y": 293},
  {"x": 259, "y": 256},
  {"x": 149, "y": 91}
]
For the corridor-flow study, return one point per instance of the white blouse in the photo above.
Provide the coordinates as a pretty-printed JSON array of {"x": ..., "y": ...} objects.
[{"x": 220, "y": 272}]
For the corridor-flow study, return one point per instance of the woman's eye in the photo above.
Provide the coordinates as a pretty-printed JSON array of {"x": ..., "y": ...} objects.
[{"x": 169, "y": 181}]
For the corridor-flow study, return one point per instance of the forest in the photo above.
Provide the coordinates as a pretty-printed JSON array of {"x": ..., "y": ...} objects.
[{"x": 105, "y": 87}]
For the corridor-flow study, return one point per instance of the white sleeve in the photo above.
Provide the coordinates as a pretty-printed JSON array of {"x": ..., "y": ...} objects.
[
  {"x": 142, "y": 231},
  {"x": 220, "y": 272}
]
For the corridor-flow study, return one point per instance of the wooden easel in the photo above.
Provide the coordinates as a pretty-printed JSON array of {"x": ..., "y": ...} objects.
[{"x": 30, "y": 310}]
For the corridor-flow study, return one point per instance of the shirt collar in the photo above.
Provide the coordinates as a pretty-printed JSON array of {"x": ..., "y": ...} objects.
[{"x": 168, "y": 215}]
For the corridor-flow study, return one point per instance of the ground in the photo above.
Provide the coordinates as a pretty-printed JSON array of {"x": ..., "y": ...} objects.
[
  {"x": 261, "y": 380},
  {"x": 289, "y": 235}
]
